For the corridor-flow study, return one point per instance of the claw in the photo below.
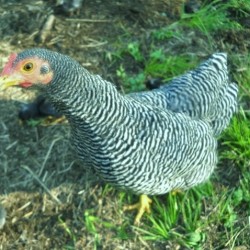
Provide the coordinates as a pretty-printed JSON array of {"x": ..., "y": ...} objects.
[{"x": 142, "y": 206}]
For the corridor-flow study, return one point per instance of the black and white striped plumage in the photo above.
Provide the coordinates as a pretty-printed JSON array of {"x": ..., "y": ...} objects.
[{"x": 148, "y": 142}]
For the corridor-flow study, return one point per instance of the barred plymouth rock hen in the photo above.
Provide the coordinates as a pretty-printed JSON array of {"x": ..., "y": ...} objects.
[{"x": 149, "y": 142}]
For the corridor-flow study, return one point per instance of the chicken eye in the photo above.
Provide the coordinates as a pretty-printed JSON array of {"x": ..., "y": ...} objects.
[{"x": 28, "y": 66}]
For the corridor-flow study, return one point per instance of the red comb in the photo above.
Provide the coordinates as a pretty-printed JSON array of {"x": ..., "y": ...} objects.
[{"x": 7, "y": 68}]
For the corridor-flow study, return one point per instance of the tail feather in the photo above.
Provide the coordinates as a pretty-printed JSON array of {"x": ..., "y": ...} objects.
[
  {"x": 205, "y": 93},
  {"x": 225, "y": 108}
]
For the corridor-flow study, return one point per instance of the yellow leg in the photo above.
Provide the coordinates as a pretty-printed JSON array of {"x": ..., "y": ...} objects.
[
  {"x": 176, "y": 191},
  {"x": 49, "y": 121},
  {"x": 142, "y": 206}
]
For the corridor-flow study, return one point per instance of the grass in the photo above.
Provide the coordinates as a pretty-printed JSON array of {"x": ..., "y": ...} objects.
[
  {"x": 169, "y": 67},
  {"x": 201, "y": 216},
  {"x": 69, "y": 232},
  {"x": 154, "y": 61},
  {"x": 237, "y": 141},
  {"x": 212, "y": 17},
  {"x": 154, "y": 64}
]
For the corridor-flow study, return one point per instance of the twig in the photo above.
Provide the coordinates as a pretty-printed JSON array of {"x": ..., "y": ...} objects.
[
  {"x": 24, "y": 206},
  {"x": 93, "y": 45},
  {"x": 47, "y": 27},
  {"x": 88, "y": 20},
  {"x": 47, "y": 155},
  {"x": 11, "y": 145},
  {"x": 42, "y": 184}
]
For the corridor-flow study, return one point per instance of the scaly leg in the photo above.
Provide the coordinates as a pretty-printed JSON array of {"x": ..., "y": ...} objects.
[
  {"x": 176, "y": 191},
  {"x": 142, "y": 206}
]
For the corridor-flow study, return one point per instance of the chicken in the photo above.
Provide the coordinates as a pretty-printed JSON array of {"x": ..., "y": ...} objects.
[{"x": 150, "y": 142}]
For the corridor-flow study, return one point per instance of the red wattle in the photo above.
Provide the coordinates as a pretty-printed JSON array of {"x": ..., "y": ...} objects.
[{"x": 25, "y": 84}]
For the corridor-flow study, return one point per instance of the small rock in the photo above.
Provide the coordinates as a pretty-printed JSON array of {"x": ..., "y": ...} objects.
[
  {"x": 68, "y": 7},
  {"x": 192, "y": 6}
]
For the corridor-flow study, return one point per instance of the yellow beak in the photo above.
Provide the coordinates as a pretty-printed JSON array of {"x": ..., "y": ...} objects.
[{"x": 9, "y": 81}]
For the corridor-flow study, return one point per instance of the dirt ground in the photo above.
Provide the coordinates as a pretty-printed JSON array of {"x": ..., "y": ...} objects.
[{"x": 41, "y": 181}]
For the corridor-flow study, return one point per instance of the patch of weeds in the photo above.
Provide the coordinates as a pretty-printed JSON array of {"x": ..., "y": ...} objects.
[
  {"x": 186, "y": 219},
  {"x": 132, "y": 80},
  {"x": 241, "y": 7},
  {"x": 95, "y": 225},
  {"x": 134, "y": 50},
  {"x": 225, "y": 218},
  {"x": 180, "y": 218},
  {"x": 69, "y": 232},
  {"x": 168, "y": 213},
  {"x": 34, "y": 122},
  {"x": 242, "y": 74},
  {"x": 131, "y": 49},
  {"x": 131, "y": 83},
  {"x": 211, "y": 17},
  {"x": 123, "y": 231},
  {"x": 92, "y": 223},
  {"x": 224, "y": 212},
  {"x": 168, "y": 67},
  {"x": 156, "y": 65},
  {"x": 236, "y": 141},
  {"x": 107, "y": 190},
  {"x": 241, "y": 195},
  {"x": 168, "y": 32}
]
